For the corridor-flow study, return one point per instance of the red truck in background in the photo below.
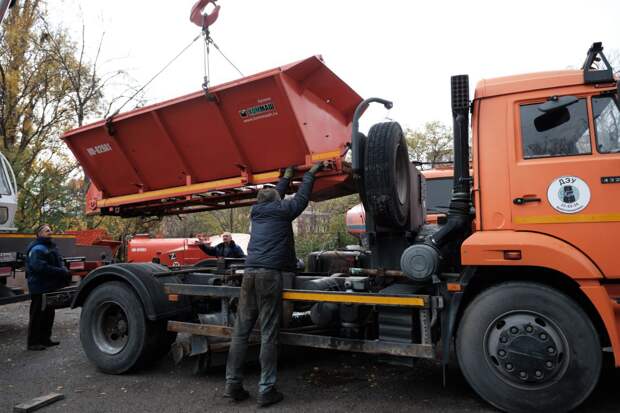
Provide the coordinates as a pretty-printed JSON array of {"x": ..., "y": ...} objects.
[{"x": 175, "y": 252}]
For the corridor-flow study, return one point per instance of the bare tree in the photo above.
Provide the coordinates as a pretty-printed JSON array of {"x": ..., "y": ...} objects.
[{"x": 431, "y": 144}]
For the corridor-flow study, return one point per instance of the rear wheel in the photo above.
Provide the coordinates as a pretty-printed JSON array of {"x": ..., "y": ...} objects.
[
  {"x": 386, "y": 175},
  {"x": 114, "y": 331},
  {"x": 526, "y": 347}
]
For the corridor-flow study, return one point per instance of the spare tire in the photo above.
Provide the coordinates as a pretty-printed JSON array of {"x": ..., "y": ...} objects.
[{"x": 386, "y": 175}]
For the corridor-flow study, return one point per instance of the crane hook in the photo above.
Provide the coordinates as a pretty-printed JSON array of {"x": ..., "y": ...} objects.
[{"x": 204, "y": 20}]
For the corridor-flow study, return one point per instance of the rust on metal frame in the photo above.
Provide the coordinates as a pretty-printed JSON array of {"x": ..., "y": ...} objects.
[{"x": 316, "y": 341}]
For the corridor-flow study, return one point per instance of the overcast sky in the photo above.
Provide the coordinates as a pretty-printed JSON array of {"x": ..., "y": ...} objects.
[{"x": 402, "y": 50}]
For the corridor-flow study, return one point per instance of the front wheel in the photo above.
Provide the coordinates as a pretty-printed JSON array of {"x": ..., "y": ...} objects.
[{"x": 525, "y": 347}]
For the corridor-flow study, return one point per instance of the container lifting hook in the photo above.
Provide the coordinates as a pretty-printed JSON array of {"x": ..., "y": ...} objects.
[{"x": 204, "y": 20}]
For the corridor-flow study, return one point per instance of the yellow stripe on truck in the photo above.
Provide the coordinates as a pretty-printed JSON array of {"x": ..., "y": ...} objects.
[
  {"x": 564, "y": 219},
  {"x": 266, "y": 176},
  {"x": 171, "y": 192},
  {"x": 370, "y": 299},
  {"x": 325, "y": 155}
]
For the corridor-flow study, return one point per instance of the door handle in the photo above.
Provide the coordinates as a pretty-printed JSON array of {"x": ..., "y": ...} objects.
[{"x": 523, "y": 200}]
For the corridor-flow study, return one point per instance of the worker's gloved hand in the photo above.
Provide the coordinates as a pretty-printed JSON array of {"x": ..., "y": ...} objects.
[
  {"x": 316, "y": 168},
  {"x": 289, "y": 172}
]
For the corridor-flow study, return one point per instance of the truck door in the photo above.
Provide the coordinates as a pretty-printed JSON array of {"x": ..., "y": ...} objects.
[{"x": 565, "y": 180}]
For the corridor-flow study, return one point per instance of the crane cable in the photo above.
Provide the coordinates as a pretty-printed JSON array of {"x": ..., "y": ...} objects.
[
  {"x": 208, "y": 40},
  {"x": 116, "y": 112}
]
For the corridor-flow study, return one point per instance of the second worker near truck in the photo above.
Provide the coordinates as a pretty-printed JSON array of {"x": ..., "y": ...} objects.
[
  {"x": 227, "y": 248},
  {"x": 271, "y": 251}
]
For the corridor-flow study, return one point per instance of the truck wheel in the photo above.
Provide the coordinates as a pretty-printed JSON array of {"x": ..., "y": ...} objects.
[
  {"x": 525, "y": 347},
  {"x": 114, "y": 331},
  {"x": 386, "y": 174}
]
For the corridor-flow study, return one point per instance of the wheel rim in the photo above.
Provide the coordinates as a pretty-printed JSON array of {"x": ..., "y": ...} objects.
[
  {"x": 110, "y": 330},
  {"x": 526, "y": 349},
  {"x": 402, "y": 166}
]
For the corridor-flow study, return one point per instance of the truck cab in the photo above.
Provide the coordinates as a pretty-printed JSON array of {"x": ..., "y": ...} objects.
[{"x": 554, "y": 174}]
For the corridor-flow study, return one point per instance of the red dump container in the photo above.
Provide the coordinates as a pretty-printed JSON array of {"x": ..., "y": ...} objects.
[{"x": 204, "y": 151}]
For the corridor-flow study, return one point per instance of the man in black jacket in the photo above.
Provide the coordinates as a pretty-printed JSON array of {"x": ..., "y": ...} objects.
[
  {"x": 271, "y": 251},
  {"x": 45, "y": 272},
  {"x": 227, "y": 248}
]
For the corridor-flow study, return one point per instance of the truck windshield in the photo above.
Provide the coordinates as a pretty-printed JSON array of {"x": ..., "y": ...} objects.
[
  {"x": 607, "y": 121},
  {"x": 438, "y": 194}
]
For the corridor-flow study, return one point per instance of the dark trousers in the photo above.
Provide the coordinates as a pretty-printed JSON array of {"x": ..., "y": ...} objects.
[
  {"x": 260, "y": 298},
  {"x": 41, "y": 321}
]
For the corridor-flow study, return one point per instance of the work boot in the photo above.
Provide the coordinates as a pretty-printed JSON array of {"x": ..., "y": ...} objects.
[
  {"x": 236, "y": 392},
  {"x": 36, "y": 347},
  {"x": 50, "y": 343},
  {"x": 271, "y": 396}
]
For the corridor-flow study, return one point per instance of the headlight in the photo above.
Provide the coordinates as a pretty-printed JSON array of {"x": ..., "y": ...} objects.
[{"x": 4, "y": 215}]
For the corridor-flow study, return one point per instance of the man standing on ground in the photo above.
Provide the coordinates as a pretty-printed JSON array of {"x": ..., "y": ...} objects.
[
  {"x": 227, "y": 248},
  {"x": 45, "y": 272},
  {"x": 271, "y": 251}
]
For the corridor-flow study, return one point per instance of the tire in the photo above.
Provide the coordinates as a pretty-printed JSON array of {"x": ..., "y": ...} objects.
[
  {"x": 516, "y": 370},
  {"x": 386, "y": 175},
  {"x": 114, "y": 331}
]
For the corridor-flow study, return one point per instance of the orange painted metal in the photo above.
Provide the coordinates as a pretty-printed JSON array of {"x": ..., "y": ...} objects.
[
  {"x": 240, "y": 135},
  {"x": 608, "y": 310},
  {"x": 537, "y": 250}
]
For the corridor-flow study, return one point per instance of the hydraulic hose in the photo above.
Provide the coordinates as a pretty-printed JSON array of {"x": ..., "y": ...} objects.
[{"x": 357, "y": 139}]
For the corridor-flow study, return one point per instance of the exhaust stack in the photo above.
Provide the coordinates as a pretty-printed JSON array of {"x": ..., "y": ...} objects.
[{"x": 421, "y": 261}]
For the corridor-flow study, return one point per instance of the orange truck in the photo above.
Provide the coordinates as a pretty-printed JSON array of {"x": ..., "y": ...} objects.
[{"x": 521, "y": 277}]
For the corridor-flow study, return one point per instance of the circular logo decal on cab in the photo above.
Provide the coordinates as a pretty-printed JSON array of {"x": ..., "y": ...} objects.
[{"x": 568, "y": 194}]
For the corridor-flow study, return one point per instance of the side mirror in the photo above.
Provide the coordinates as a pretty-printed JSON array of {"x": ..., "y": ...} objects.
[
  {"x": 552, "y": 119},
  {"x": 555, "y": 103}
]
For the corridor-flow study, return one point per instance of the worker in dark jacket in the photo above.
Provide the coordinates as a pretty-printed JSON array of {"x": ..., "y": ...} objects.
[
  {"x": 45, "y": 272},
  {"x": 227, "y": 248},
  {"x": 271, "y": 251}
]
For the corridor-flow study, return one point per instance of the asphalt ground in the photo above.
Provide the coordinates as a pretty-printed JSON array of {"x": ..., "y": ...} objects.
[{"x": 311, "y": 380}]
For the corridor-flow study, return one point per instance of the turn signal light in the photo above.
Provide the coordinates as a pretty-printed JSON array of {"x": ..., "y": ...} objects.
[
  {"x": 512, "y": 255},
  {"x": 77, "y": 266}
]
